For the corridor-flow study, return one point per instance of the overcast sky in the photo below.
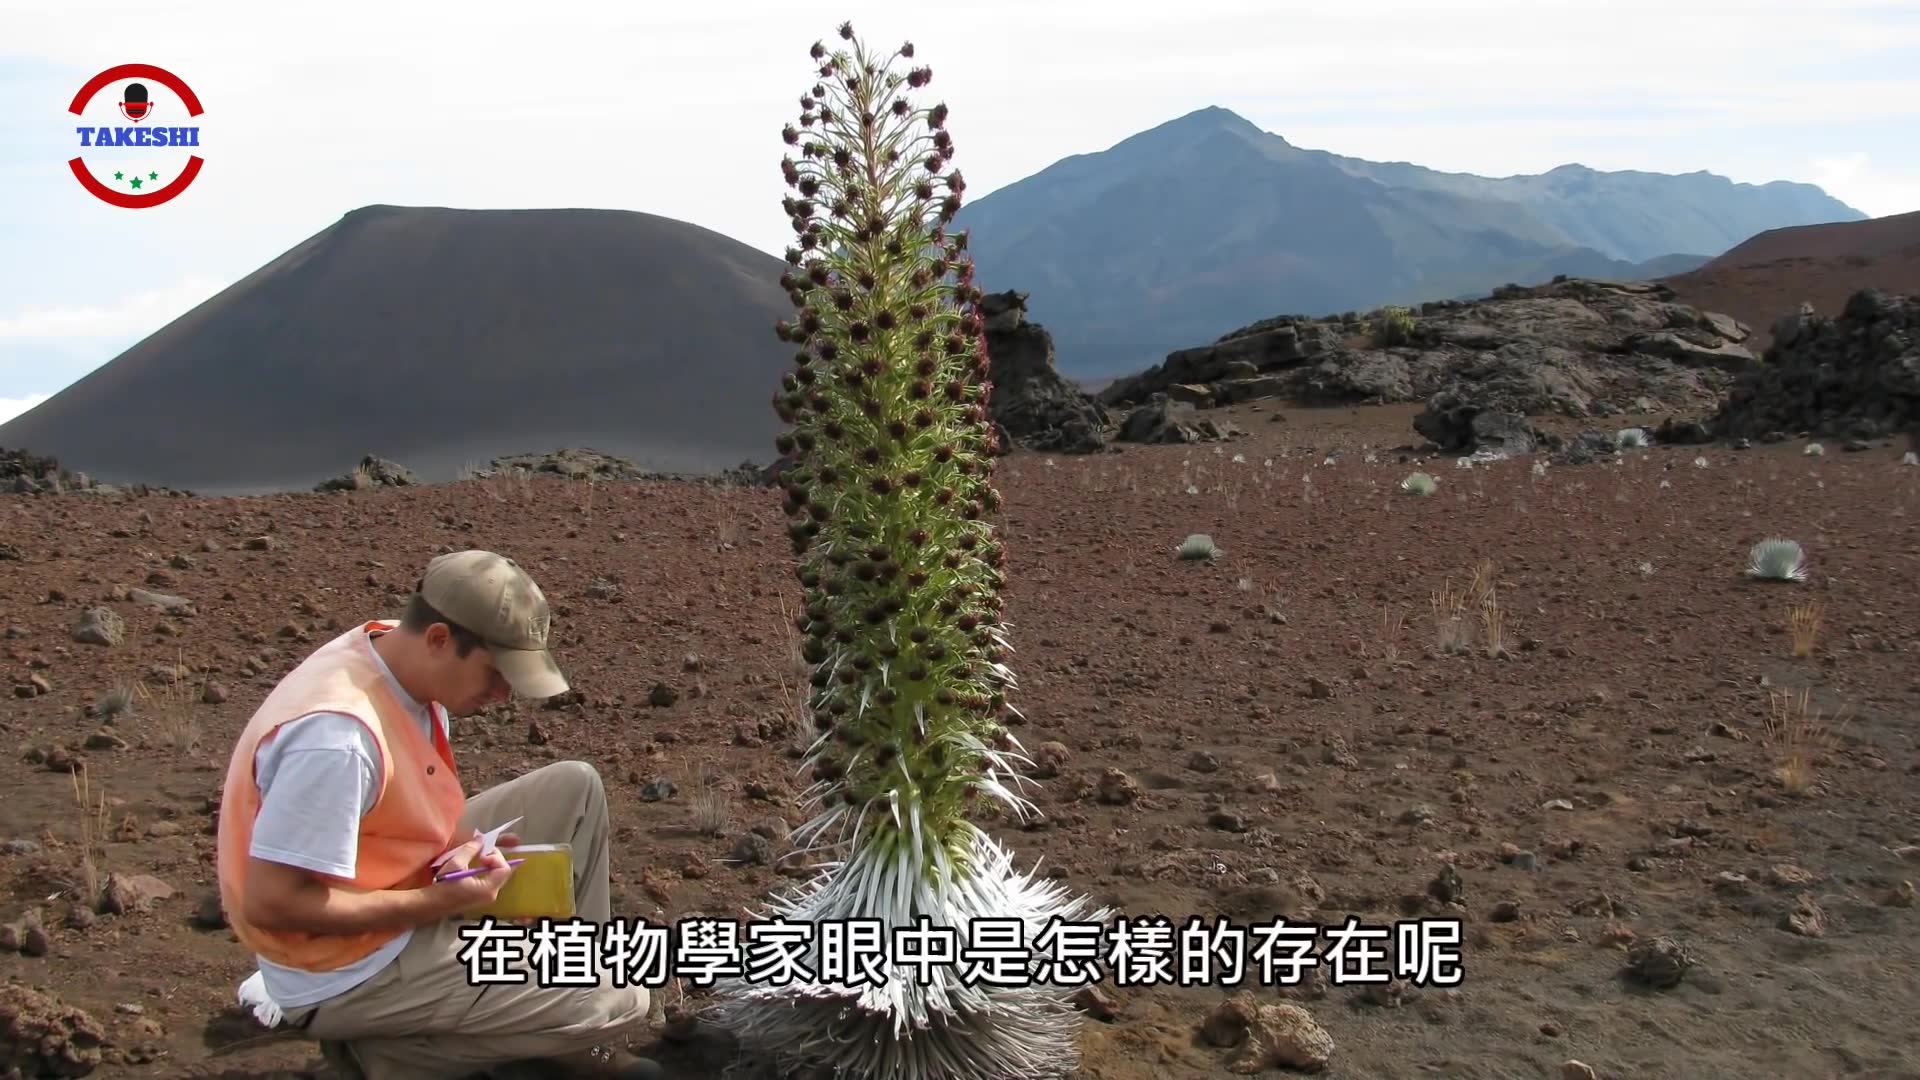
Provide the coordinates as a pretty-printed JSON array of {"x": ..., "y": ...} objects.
[{"x": 675, "y": 109}]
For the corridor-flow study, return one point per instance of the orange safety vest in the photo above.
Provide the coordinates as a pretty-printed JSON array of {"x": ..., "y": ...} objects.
[{"x": 414, "y": 813}]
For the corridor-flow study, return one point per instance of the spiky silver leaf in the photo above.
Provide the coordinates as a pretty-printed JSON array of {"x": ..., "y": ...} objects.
[
  {"x": 904, "y": 1029},
  {"x": 1777, "y": 559}
]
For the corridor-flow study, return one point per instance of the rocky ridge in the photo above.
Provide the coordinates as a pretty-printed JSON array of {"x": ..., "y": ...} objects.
[
  {"x": 1575, "y": 348},
  {"x": 23, "y": 472},
  {"x": 1855, "y": 376},
  {"x": 1033, "y": 404}
]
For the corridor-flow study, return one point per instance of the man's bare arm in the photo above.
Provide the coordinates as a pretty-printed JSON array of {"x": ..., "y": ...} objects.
[{"x": 281, "y": 897}]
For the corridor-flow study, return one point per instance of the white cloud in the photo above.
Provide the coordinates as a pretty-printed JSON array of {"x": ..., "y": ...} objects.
[
  {"x": 1855, "y": 180},
  {"x": 12, "y": 407},
  {"x": 133, "y": 316},
  {"x": 675, "y": 109}
]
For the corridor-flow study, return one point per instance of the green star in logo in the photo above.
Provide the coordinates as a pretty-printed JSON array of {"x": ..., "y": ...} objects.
[
  {"x": 153, "y": 176},
  {"x": 118, "y": 176},
  {"x": 136, "y": 182}
]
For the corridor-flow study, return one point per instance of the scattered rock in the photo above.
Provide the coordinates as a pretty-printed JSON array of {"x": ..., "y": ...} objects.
[
  {"x": 103, "y": 740},
  {"x": 753, "y": 849},
  {"x": 1456, "y": 424},
  {"x": 41, "y": 1036},
  {"x": 1789, "y": 876},
  {"x": 1228, "y": 821},
  {"x": 372, "y": 472},
  {"x": 1805, "y": 917},
  {"x": 1229, "y": 1022},
  {"x": 1447, "y": 886},
  {"x": 1117, "y": 788},
  {"x": 1659, "y": 962},
  {"x": 1095, "y": 1002},
  {"x": 132, "y": 894},
  {"x": 172, "y": 605},
  {"x": 1050, "y": 759},
  {"x": 1578, "y": 1070},
  {"x": 662, "y": 696},
  {"x": 657, "y": 790},
  {"x": 1162, "y": 420},
  {"x": 210, "y": 914},
  {"x": 100, "y": 626},
  {"x": 1283, "y": 1036}
]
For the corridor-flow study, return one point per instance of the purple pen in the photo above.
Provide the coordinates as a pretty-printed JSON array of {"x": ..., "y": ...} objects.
[{"x": 458, "y": 874}]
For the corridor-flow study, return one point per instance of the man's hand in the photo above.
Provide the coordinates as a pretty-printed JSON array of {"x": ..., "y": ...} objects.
[{"x": 476, "y": 891}]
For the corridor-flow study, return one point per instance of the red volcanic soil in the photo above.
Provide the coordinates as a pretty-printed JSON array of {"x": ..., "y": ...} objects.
[
  {"x": 1770, "y": 274},
  {"x": 1608, "y": 779}
]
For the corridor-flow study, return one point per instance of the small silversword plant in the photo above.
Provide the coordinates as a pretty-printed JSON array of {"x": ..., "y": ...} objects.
[
  {"x": 1632, "y": 437},
  {"x": 1776, "y": 559},
  {"x": 1198, "y": 546},
  {"x": 889, "y": 500},
  {"x": 1420, "y": 484}
]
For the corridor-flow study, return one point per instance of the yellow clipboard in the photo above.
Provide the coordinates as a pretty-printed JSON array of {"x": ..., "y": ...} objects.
[{"x": 541, "y": 886}]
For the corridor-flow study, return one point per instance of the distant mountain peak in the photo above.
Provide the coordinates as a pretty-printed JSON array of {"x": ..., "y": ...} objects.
[
  {"x": 1204, "y": 222},
  {"x": 1217, "y": 118}
]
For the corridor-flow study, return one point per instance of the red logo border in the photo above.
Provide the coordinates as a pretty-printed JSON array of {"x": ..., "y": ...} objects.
[{"x": 135, "y": 71}]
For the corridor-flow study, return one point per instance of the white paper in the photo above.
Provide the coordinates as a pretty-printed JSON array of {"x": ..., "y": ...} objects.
[{"x": 489, "y": 841}]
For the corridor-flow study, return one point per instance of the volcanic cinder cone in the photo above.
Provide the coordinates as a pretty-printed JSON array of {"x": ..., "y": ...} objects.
[{"x": 889, "y": 501}]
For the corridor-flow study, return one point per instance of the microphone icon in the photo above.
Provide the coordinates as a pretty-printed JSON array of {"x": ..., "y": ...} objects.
[{"x": 135, "y": 106}]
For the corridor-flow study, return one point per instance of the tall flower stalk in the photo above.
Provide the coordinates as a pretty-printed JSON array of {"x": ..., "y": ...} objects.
[{"x": 889, "y": 500}]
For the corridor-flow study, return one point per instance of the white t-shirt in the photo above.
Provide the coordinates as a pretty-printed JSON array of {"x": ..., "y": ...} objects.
[{"x": 308, "y": 772}]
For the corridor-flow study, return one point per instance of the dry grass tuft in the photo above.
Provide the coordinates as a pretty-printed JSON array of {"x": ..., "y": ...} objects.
[
  {"x": 1797, "y": 731},
  {"x": 726, "y": 521},
  {"x": 1454, "y": 614},
  {"x": 1452, "y": 629},
  {"x": 173, "y": 706},
  {"x": 1480, "y": 589},
  {"x": 1493, "y": 626},
  {"x": 502, "y": 484},
  {"x": 96, "y": 821},
  {"x": 796, "y": 720},
  {"x": 1392, "y": 620},
  {"x": 711, "y": 809},
  {"x": 1803, "y": 621}
]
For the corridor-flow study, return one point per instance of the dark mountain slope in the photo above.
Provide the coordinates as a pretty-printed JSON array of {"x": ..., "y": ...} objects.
[
  {"x": 1775, "y": 272},
  {"x": 439, "y": 337}
]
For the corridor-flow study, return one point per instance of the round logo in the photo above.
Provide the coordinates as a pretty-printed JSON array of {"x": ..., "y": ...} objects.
[{"x": 139, "y": 138}]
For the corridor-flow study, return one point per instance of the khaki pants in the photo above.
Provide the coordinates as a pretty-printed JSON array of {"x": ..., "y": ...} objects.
[{"x": 422, "y": 1017}]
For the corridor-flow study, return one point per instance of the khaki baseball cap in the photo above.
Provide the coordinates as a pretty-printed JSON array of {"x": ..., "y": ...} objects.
[{"x": 490, "y": 595}]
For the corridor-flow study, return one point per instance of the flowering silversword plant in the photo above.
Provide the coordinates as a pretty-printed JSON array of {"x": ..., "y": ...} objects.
[{"x": 889, "y": 497}]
